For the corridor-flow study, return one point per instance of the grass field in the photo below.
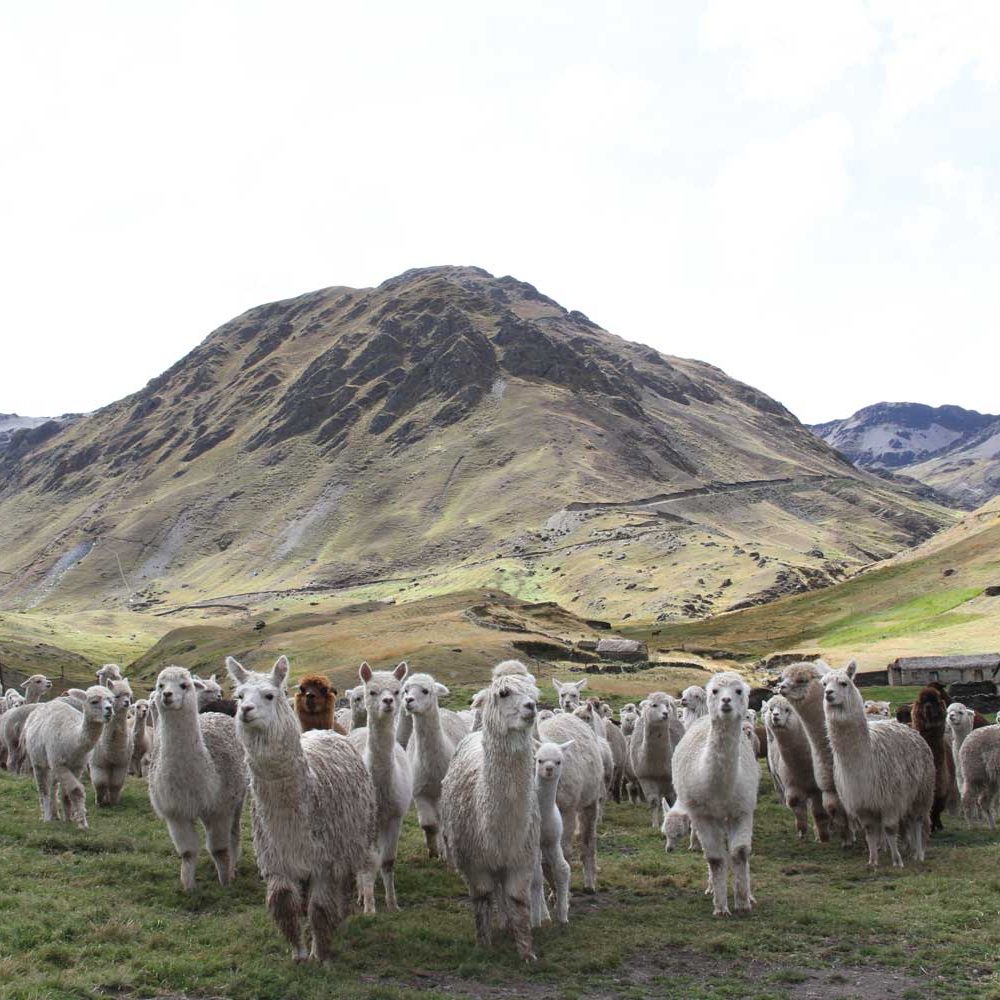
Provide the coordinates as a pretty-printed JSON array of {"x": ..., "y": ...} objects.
[{"x": 101, "y": 914}]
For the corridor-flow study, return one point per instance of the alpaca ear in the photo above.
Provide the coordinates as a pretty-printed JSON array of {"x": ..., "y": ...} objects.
[
  {"x": 565, "y": 746},
  {"x": 365, "y": 672},
  {"x": 213, "y": 680},
  {"x": 279, "y": 672},
  {"x": 479, "y": 698},
  {"x": 442, "y": 691},
  {"x": 401, "y": 671},
  {"x": 822, "y": 667},
  {"x": 536, "y": 743},
  {"x": 236, "y": 671},
  {"x": 199, "y": 684},
  {"x": 557, "y": 684},
  {"x": 852, "y": 669},
  {"x": 580, "y": 685}
]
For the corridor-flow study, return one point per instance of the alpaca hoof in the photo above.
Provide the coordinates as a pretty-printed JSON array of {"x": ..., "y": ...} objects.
[
  {"x": 391, "y": 907},
  {"x": 529, "y": 958},
  {"x": 721, "y": 913}
]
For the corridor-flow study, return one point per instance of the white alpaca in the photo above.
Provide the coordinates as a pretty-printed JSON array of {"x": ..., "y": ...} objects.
[
  {"x": 489, "y": 808},
  {"x": 58, "y": 739},
  {"x": 552, "y": 862},
  {"x": 693, "y": 705},
  {"x": 716, "y": 777},
  {"x": 108, "y": 673},
  {"x": 436, "y": 734},
  {"x": 960, "y": 722},
  {"x": 884, "y": 773},
  {"x": 313, "y": 811},
  {"x": 390, "y": 770},
  {"x": 591, "y": 716},
  {"x": 792, "y": 767},
  {"x": 654, "y": 739},
  {"x": 569, "y": 693},
  {"x": 356, "y": 701},
  {"x": 142, "y": 739},
  {"x": 197, "y": 772},
  {"x": 110, "y": 759},
  {"x": 980, "y": 764},
  {"x": 628, "y": 715}
]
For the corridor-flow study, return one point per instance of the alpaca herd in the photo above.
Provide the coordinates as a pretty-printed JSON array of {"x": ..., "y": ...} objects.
[{"x": 507, "y": 793}]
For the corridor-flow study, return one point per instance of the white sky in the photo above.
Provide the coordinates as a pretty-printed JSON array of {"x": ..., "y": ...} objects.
[{"x": 806, "y": 194}]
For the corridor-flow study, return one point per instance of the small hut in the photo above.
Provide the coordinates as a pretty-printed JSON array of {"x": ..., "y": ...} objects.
[{"x": 920, "y": 670}]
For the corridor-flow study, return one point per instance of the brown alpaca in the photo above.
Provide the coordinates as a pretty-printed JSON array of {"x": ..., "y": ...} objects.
[
  {"x": 315, "y": 702},
  {"x": 929, "y": 714}
]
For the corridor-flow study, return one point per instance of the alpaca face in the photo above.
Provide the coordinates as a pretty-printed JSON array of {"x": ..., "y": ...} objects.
[
  {"x": 693, "y": 699},
  {"x": 36, "y": 686},
  {"x": 100, "y": 704},
  {"x": 356, "y": 699},
  {"x": 657, "y": 708},
  {"x": 383, "y": 690},
  {"x": 960, "y": 718},
  {"x": 779, "y": 713},
  {"x": 511, "y": 704},
  {"x": 879, "y": 709},
  {"x": 839, "y": 692},
  {"x": 13, "y": 699},
  {"x": 586, "y": 712},
  {"x": 122, "y": 692},
  {"x": 210, "y": 691},
  {"x": 175, "y": 689},
  {"x": 262, "y": 699},
  {"x": 314, "y": 693},
  {"x": 108, "y": 673},
  {"x": 727, "y": 695},
  {"x": 141, "y": 710},
  {"x": 799, "y": 683},
  {"x": 549, "y": 760},
  {"x": 569, "y": 693},
  {"x": 421, "y": 692}
]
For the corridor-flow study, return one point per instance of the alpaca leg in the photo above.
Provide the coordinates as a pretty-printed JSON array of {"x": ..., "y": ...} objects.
[
  {"x": 74, "y": 791},
  {"x": 235, "y": 837},
  {"x": 481, "y": 892},
  {"x": 713, "y": 843},
  {"x": 67, "y": 804},
  {"x": 427, "y": 816},
  {"x": 740, "y": 841},
  {"x": 284, "y": 903},
  {"x": 798, "y": 806},
  {"x": 588, "y": 847},
  {"x": 873, "y": 837},
  {"x": 821, "y": 820},
  {"x": 218, "y": 830},
  {"x": 185, "y": 839},
  {"x": 517, "y": 893},
  {"x": 653, "y": 798},
  {"x": 557, "y": 872},
  {"x": 326, "y": 914},
  {"x": 539, "y": 911},
  {"x": 570, "y": 822},
  {"x": 387, "y": 851},
  {"x": 45, "y": 789},
  {"x": 892, "y": 840}
]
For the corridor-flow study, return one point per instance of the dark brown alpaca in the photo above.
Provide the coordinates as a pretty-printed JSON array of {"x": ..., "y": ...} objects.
[
  {"x": 928, "y": 718},
  {"x": 315, "y": 701}
]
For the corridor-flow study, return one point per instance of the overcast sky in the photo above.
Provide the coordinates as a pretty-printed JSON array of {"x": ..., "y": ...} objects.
[{"x": 806, "y": 194}]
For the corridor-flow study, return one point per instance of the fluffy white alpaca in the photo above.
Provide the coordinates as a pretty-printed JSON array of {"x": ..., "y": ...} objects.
[
  {"x": 436, "y": 733},
  {"x": 313, "y": 811},
  {"x": 197, "y": 773},
  {"x": 489, "y": 808},
  {"x": 657, "y": 732},
  {"x": 552, "y": 862},
  {"x": 390, "y": 770},
  {"x": 110, "y": 759},
  {"x": 58, "y": 740},
  {"x": 960, "y": 723},
  {"x": 716, "y": 777},
  {"x": 884, "y": 773},
  {"x": 569, "y": 693}
]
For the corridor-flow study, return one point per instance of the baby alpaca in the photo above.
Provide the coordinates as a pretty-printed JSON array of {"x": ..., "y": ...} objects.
[{"x": 553, "y": 863}]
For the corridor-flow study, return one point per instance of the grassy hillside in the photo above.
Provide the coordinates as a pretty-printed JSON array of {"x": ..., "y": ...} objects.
[
  {"x": 929, "y": 600},
  {"x": 102, "y": 914}
]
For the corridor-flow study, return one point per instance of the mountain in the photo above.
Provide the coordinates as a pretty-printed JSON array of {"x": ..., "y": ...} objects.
[
  {"x": 442, "y": 432},
  {"x": 954, "y": 450}
]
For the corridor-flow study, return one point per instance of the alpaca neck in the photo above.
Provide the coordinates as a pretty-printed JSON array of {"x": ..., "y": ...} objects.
[
  {"x": 180, "y": 737},
  {"x": 547, "y": 788},
  {"x": 116, "y": 731},
  {"x": 381, "y": 749},
  {"x": 723, "y": 740},
  {"x": 508, "y": 771},
  {"x": 849, "y": 735},
  {"x": 427, "y": 732},
  {"x": 275, "y": 753},
  {"x": 33, "y": 697},
  {"x": 90, "y": 732}
]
